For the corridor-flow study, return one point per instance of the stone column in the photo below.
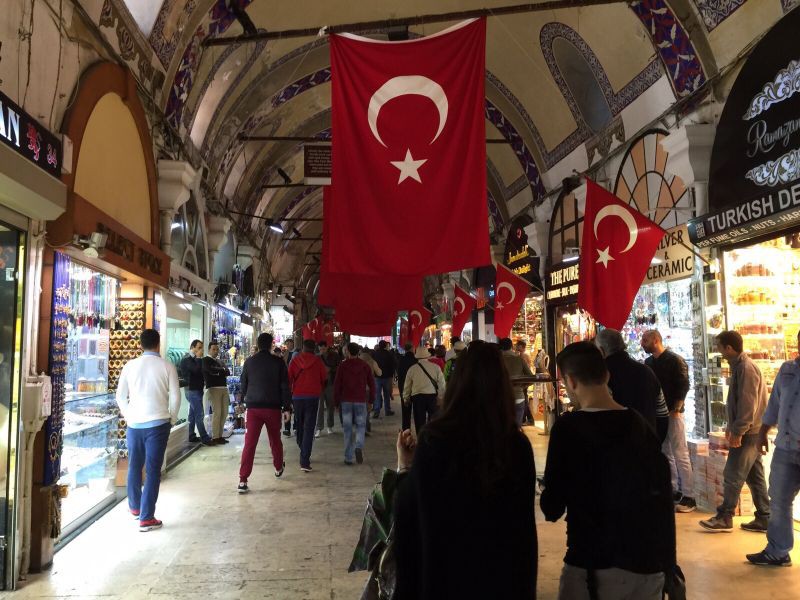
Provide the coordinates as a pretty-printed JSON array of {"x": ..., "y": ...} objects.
[
  {"x": 175, "y": 181},
  {"x": 689, "y": 158},
  {"x": 218, "y": 228}
]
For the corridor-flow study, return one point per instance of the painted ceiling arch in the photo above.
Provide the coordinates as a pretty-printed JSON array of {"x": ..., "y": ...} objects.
[{"x": 280, "y": 87}]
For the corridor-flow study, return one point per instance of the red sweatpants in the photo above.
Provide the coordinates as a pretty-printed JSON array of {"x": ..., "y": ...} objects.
[{"x": 256, "y": 418}]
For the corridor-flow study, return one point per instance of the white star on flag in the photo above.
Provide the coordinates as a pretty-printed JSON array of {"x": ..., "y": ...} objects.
[
  {"x": 499, "y": 305},
  {"x": 409, "y": 167},
  {"x": 604, "y": 257}
]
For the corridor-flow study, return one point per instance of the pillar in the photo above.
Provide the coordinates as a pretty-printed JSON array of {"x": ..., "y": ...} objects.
[{"x": 175, "y": 181}]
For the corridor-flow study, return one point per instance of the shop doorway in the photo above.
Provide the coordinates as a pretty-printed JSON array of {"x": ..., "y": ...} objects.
[{"x": 12, "y": 256}]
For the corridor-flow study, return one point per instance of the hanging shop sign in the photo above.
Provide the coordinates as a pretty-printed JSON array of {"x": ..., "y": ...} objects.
[
  {"x": 317, "y": 164},
  {"x": 562, "y": 283},
  {"x": 754, "y": 179},
  {"x": 674, "y": 258},
  {"x": 519, "y": 257},
  {"x": 20, "y": 132}
]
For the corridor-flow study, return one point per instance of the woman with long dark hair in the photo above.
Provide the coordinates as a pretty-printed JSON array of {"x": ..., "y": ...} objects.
[{"x": 464, "y": 513}]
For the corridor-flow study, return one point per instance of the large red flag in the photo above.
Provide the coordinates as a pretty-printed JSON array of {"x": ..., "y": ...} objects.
[
  {"x": 308, "y": 333},
  {"x": 509, "y": 294},
  {"x": 409, "y": 150},
  {"x": 463, "y": 305},
  {"x": 364, "y": 322},
  {"x": 367, "y": 292},
  {"x": 403, "y": 333},
  {"x": 617, "y": 247},
  {"x": 418, "y": 318}
]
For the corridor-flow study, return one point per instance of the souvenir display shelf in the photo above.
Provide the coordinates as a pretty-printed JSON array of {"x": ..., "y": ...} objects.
[
  {"x": 762, "y": 295},
  {"x": 667, "y": 307},
  {"x": 528, "y": 326}
]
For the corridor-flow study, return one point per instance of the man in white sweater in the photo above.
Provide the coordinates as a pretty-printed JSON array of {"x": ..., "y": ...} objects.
[{"x": 148, "y": 395}]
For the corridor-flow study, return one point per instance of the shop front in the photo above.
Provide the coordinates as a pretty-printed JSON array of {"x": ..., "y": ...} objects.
[
  {"x": 102, "y": 272},
  {"x": 751, "y": 234},
  {"x": 665, "y": 300},
  {"x": 566, "y": 322},
  {"x": 30, "y": 193}
]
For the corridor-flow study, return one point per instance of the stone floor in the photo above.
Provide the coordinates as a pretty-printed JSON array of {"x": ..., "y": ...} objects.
[{"x": 293, "y": 538}]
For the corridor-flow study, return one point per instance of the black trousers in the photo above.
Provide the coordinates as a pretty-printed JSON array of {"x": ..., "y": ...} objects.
[
  {"x": 424, "y": 407},
  {"x": 406, "y": 412}
]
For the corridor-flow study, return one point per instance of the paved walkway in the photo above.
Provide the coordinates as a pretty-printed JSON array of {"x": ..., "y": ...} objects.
[{"x": 293, "y": 538}]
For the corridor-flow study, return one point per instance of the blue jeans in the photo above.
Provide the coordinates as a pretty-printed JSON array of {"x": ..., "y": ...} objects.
[
  {"x": 744, "y": 464},
  {"x": 519, "y": 413},
  {"x": 305, "y": 421},
  {"x": 784, "y": 484},
  {"x": 353, "y": 413},
  {"x": 195, "y": 399},
  {"x": 383, "y": 394},
  {"x": 146, "y": 448}
]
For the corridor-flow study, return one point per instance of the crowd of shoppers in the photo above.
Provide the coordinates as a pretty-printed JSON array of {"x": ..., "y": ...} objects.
[{"x": 620, "y": 457}]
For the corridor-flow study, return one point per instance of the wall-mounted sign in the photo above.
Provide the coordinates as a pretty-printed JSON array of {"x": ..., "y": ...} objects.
[
  {"x": 20, "y": 132},
  {"x": 674, "y": 258},
  {"x": 130, "y": 251},
  {"x": 317, "y": 164},
  {"x": 562, "y": 283},
  {"x": 754, "y": 176},
  {"x": 766, "y": 214},
  {"x": 519, "y": 257}
]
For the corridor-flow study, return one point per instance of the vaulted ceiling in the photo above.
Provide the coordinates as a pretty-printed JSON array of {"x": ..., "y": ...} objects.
[{"x": 559, "y": 85}]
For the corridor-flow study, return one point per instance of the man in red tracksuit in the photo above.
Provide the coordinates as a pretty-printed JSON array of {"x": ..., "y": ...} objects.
[{"x": 307, "y": 378}]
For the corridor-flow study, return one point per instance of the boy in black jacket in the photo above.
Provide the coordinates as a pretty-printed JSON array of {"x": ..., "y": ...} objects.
[{"x": 606, "y": 470}]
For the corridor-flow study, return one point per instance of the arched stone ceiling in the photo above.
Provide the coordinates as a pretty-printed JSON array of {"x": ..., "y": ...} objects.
[{"x": 212, "y": 95}]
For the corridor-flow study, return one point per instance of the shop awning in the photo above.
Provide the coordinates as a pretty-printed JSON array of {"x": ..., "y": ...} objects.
[{"x": 30, "y": 191}]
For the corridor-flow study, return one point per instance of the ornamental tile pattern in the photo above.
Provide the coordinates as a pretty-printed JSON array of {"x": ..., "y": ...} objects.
[
  {"x": 617, "y": 101},
  {"x": 673, "y": 45},
  {"x": 715, "y": 12},
  {"x": 168, "y": 27},
  {"x": 509, "y": 132},
  {"x": 221, "y": 18}
]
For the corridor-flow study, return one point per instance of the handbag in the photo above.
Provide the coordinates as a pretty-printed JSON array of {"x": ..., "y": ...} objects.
[
  {"x": 375, "y": 548},
  {"x": 674, "y": 584}
]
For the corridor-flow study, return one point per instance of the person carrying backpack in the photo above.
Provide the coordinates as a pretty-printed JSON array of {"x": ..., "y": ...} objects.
[
  {"x": 605, "y": 469},
  {"x": 423, "y": 387}
]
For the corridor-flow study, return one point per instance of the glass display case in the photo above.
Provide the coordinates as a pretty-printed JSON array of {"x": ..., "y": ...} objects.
[
  {"x": 572, "y": 324},
  {"x": 181, "y": 322},
  {"x": 91, "y": 416},
  {"x": 89, "y": 459},
  {"x": 528, "y": 326},
  {"x": 667, "y": 307}
]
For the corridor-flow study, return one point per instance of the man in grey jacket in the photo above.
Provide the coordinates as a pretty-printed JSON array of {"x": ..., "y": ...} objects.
[{"x": 746, "y": 403}]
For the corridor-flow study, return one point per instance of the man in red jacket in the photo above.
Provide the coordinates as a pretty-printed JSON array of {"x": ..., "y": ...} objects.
[
  {"x": 353, "y": 377},
  {"x": 307, "y": 377}
]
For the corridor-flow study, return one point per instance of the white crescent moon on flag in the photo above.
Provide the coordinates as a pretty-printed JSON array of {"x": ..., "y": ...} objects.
[
  {"x": 625, "y": 215},
  {"x": 463, "y": 306},
  {"x": 402, "y": 86},
  {"x": 511, "y": 289},
  {"x": 418, "y": 314}
]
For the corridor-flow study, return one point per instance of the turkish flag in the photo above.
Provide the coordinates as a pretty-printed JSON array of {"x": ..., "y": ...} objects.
[
  {"x": 617, "y": 247},
  {"x": 403, "y": 333},
  {"x": 365, "y": 322},
  {"x": 308, "y": 333},
  {"x": 418, "y": 318},
  {"x": 367, "y": 292},
  {"x": 327, "y": 332},
  {"x": 408, "y": 151},
  {"x": 509, "y": 293},
  {"x": 463, "y": 305}
]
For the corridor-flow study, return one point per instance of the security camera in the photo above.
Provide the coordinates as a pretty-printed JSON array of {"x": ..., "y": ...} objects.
[{"x": 93, "y": 244}]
